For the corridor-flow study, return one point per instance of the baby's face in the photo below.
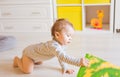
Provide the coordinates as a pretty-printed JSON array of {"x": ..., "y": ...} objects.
[{"x": 65, "y": 35}]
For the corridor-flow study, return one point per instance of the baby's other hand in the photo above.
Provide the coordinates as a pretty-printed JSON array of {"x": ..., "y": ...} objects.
[
  {"x": 84, "y": 62},
  {"x": 70, "y": 71}
]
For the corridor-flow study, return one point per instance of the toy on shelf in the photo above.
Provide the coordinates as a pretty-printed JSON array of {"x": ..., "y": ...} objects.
[
  {"x": 97, "y": 22},
  {"x": 98, "y": 68}
]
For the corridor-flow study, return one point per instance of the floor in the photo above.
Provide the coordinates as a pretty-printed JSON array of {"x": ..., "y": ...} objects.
[{"x": 105, "y": 46}]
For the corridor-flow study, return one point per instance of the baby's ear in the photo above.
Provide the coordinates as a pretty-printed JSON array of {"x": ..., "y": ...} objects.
[{"x": 57, "y": 34}]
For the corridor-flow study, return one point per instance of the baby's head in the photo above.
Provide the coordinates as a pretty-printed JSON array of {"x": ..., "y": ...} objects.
[{"x": 62, "y": 31}]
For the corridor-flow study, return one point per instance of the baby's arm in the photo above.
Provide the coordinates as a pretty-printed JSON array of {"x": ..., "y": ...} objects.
[
  {"x": 68, "y": 59},
  {"x": 65, "y": 68},
  {"x": 61, "y": 55},
  {"x": 63, "y": 65}
]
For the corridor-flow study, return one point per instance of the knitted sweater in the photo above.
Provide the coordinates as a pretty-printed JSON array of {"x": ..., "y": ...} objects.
[{"x": 48, "y": 50}]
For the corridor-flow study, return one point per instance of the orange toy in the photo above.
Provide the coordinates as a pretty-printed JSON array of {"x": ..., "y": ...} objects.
[{"x": 97, "y": 22}]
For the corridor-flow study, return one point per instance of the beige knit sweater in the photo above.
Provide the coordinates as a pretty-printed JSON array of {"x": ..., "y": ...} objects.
[{"x": 48, "y": 50}]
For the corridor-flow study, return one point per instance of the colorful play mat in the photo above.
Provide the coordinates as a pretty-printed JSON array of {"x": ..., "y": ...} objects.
[{"x": 98, "y": 68}]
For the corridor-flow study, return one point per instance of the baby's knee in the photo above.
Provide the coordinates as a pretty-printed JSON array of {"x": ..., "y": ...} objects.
[{"x": 27, "y": 71}]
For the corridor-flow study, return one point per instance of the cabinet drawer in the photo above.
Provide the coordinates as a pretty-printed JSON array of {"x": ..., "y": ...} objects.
[
  {"x": 26, "y": 26},
  {"x": 25, "y": 11},
  {"x": 24, "y": 1}
]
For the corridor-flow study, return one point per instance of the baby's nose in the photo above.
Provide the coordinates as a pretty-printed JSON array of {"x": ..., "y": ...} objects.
[{"x": 70, "y": 38}]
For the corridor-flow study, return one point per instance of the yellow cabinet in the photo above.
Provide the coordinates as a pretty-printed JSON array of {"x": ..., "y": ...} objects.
[
  {"x": 96, "y": 1},
  {"x": 69, "y": 1},
  {"x": 73, "y": 14},
  {"x": 71, "y": 10}
]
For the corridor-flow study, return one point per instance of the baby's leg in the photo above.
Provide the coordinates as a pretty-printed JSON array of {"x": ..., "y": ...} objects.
[
  {"x": 15, "y": 62},
  {"x": 25, "y": 64}
]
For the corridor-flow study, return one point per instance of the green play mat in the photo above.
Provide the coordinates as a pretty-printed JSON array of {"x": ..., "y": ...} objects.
[{"x": 98, "y": 68}]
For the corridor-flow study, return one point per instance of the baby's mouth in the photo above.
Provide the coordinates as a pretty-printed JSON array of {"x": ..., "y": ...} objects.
[{"x": 69, "y": 42}]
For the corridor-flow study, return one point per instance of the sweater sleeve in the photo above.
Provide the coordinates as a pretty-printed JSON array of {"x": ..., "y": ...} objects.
[
  {"x": 68, "y": 59},
  {"x": 63, "y": 65},
  {"x": 62, "y": 56}
]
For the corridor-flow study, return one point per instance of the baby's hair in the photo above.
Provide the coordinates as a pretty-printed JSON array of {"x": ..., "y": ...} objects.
[{"x": 59, "y": 25}]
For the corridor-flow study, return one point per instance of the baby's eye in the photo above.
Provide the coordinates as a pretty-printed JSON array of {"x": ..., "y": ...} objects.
[{"x": 68, "y": 35}]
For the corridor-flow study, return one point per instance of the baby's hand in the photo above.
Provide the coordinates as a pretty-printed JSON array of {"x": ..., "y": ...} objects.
[
  {"x": 70, "y": 71},
  {"x": 84, "y": 62}
]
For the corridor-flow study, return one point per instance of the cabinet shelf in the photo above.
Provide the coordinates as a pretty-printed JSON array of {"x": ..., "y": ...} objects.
[
  {"x": 88, "y": 9},
  {"x": 89, "y": 15},
  {"x": 105, "y": 27}
]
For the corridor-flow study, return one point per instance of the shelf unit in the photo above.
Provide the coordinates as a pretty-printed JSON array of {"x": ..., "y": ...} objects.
[
  {"x": 117, "y": 17},
  {"x": 26, "y": 15},
  {"x": 80, "y": 13}
]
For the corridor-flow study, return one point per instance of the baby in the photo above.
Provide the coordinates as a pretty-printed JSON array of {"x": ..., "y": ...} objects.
[{"x": 61, "y": 31}]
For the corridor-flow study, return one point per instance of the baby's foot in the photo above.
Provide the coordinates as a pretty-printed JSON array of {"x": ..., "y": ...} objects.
[
  {"x": 38, "y": 63},
  {"x": 15, "y": 63}
]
